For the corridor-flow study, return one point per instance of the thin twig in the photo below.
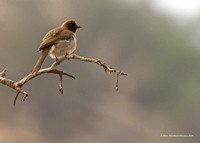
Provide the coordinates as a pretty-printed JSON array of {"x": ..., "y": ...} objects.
[
  {"x": 60, "y": 83},
  {"x": 117, "y": 82},
  {"x": 14, "y": 102}
]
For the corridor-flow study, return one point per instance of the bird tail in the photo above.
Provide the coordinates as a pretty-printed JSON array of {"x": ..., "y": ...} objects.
[{"x": 40, "y": 60}]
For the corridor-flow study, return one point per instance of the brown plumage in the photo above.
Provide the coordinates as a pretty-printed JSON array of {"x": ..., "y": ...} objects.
[{"x": 58, "y": 42}]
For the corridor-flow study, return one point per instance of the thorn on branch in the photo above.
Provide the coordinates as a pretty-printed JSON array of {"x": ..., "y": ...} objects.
[
  {"x": 24, "y": 97},
  {"x": 3, "y": 73},
  {"x": 60, "y": 83}
]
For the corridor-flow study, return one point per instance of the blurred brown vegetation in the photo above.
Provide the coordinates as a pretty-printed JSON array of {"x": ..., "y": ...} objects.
[{"x": 159, "y": 96}]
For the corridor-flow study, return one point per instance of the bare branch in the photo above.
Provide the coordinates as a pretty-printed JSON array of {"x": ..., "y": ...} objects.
[
  {"x": 13, "y": 85},
  {"x": 42, "y": 71},
  {"x": 52, "y": 69},
  {"x": 98, "y": 62},
  {"x": 106, "y": 68}
]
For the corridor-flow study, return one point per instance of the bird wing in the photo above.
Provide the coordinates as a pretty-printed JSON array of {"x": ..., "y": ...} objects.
[{"x": 53, "y": 36}]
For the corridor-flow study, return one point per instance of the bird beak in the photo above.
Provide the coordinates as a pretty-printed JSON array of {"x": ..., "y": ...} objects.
[{"x": 78, "y": 27}]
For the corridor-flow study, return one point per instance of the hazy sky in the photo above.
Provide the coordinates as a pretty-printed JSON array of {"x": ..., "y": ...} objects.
[
  {"x": 185, "y": 8},
  {"x": 177, "y": 8}
]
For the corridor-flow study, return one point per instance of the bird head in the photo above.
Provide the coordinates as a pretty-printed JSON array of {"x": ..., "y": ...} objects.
[{"x": 71, "y": 25}]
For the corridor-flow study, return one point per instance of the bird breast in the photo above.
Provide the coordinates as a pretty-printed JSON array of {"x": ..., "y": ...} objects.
[{"x": 62, "y": 48}]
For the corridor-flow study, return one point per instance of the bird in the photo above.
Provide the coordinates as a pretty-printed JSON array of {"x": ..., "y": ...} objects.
[{"x": 57, "y": 43}]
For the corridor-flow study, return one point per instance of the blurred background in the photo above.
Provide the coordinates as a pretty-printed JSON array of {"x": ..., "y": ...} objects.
[{"x": 155, "y": 41}]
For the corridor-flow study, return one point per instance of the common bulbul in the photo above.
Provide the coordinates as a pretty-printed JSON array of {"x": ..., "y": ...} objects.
[{"x": 58, "y": 42}]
